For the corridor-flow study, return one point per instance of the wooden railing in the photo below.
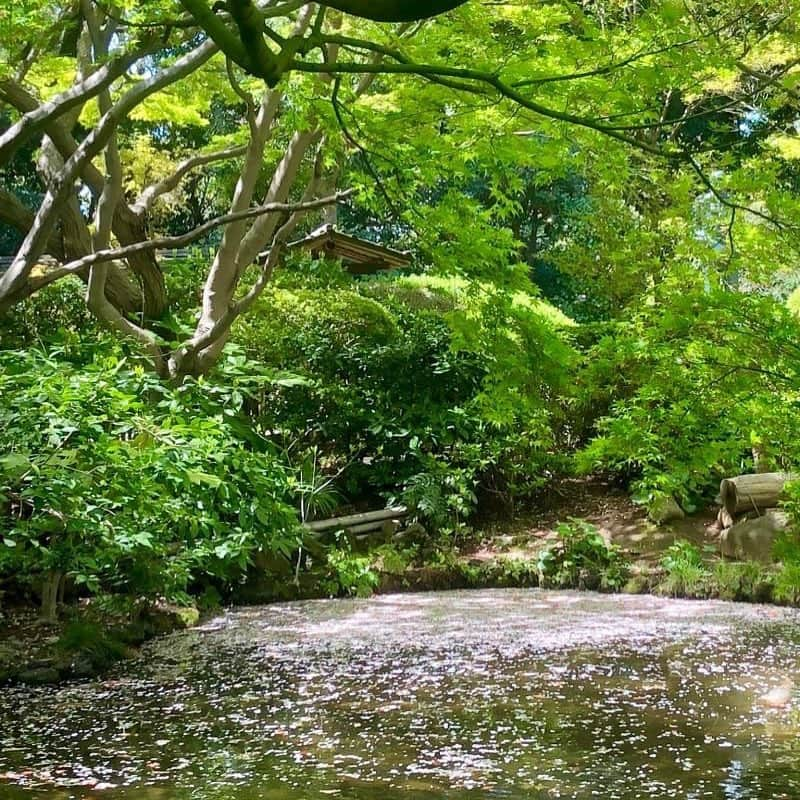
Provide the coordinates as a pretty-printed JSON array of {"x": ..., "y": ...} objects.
[{"x": 387, "y": 519}]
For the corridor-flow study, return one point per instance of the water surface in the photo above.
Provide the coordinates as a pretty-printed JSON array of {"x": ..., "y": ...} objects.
[{"x": 499, "y": 693}]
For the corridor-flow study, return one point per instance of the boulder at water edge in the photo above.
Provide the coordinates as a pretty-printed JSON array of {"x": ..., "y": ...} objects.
[
  {"x": 665, "y": 509},
  {"x": 752, "y": 539}
]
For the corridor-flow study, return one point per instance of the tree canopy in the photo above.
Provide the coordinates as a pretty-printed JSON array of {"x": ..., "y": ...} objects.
[{"x": 600, "y": 199}]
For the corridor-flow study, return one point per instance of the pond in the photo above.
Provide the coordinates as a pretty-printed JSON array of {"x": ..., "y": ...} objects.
[{"x": 498, "y": 693}]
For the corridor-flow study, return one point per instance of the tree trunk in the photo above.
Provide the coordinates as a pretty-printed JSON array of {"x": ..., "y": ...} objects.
[
  {"x": 753, "y": 492},
  {"x": 51, "y": 585},
  {"x": 131, "y": 228}
]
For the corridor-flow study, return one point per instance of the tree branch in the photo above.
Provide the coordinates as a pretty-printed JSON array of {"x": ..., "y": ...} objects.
[
  {"x": 193, "y": 349},
  {"x": 220, "y": 33},
  {"x": 149, "y": 195},
  {"x": 35, "y": 121},
  {"x": 706, "y": 181},
  {"x": 21, "y": 99},
  {"x": 262, "y": 230},
  {"x": 181, "y": 240},
  {"x": 20, "y": 217},
  {"x": 60, "y": 189},
  {"x": 485, "y": 79}
]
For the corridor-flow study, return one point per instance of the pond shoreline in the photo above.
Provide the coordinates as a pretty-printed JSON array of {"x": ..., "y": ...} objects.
[
  {"x": 44, "y": 658},
  {"x": 82, "y": 645}
]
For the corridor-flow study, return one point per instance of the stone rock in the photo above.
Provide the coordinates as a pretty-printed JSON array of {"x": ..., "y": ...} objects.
[
  {"x": 752, "y": 539},
  {"x": 11, "y": 653},
  {"x": 165, "y": 617},
  {"x": 83, "y": 667},
  {"x": 189, "y": 616},
  {"x": 169, "y": 617},
  {"x": 40, "y": 676},
  {"x": 415, "y": 532},
  {"x": 665, "y": 509}
]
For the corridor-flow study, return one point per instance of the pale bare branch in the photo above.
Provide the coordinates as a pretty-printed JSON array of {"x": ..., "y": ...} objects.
[
  {"x": 35, "y": 120},
  {"x": 149, "y": 196},
  {"x": 183, "y": 239},
  {"x": 34, "y": 243}
]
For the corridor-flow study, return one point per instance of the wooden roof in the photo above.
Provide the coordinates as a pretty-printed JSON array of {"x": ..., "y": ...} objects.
[{"x": 358, "y": 256}]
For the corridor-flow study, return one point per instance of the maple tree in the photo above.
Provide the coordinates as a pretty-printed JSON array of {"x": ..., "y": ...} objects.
[{"x": 613, "y": 90}]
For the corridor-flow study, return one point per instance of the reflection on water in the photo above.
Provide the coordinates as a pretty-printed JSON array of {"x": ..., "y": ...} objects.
[{"x": 508, "y": 694}]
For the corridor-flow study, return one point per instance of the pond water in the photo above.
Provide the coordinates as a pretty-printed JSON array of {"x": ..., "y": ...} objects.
[{"x": 500, "y": 693}]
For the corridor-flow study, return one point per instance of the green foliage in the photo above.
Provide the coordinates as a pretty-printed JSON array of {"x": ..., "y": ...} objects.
[
  {"x": 508, "y": 572},
  {"x": 787, "y": 547},
  {"x": 786, "y": 588},
  {"x": 786, "y": 550},
  {"x": 349, "y": 573},
  {"x": 126, "y": 485},
  {"x": 681, "y": 554},
  {"x": 686, "y": 572},
  {"x": 310, "y": 328},
  {"x": 582, "y": 559},
  {"x": 442, "y": 494},
  {"x": 748, "y": 581},
  {"x": 393, "y": 560},
  {"x": 93, "y": 642},
  {"x": 438, "y": 393},
  {"x": 55, "y": 314},
  {"x": 793, "y": 302},
  {"x": 455, "y": 391},
  {"x": 691, "y": 384}
]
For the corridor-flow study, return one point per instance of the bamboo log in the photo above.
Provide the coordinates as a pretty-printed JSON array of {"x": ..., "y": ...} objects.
[
  {"x": 387, "y": 526},
  {"x": 397, "y": 512},
  {"x": 753, "y": 492},
  {"x": 364, "y": 528}
]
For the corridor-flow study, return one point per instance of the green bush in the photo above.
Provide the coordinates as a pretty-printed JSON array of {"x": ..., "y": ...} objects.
[
  {"x": 686, "y": 572},
  {"x": 442, "y": 405},
  {"x": 748, "y": 581},
  {"x": 786, "y": 587},
  {"x": 786, "y": 551},
  {"x": 313, "y": 329},
  {"x": 687, "y": 388},
  {"x": 56, "y": 313},
  {"x": 120, "y": 484},
  {"x": 348, "y": 573},
  {"x": 582, "y": 559},
  {"x": 93, "y": 642},
  {"x": 111, "y": 478}
]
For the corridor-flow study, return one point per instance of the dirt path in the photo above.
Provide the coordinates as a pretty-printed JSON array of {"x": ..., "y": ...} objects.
[{"x": 605, "y": 506}]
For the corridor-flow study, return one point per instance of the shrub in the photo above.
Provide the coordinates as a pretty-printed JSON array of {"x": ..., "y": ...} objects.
[
  {"x": 91, "y": 641},
  {"x": 55, "y": 313},
  {"x": 686, "y": 572},
  {"x": 690, "y": 385},
  {"x": 111, "y": 478},
  {"x": 742, "y": 581},
  {"x": 348, "y": 573},
  {"x": 787, "y": 551},
  {"x": 582, "y": 559},
  {"x": 442, "y": 404},
  {"x": 786, "y": 587},
  {"x": 314, "y": 329}
]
